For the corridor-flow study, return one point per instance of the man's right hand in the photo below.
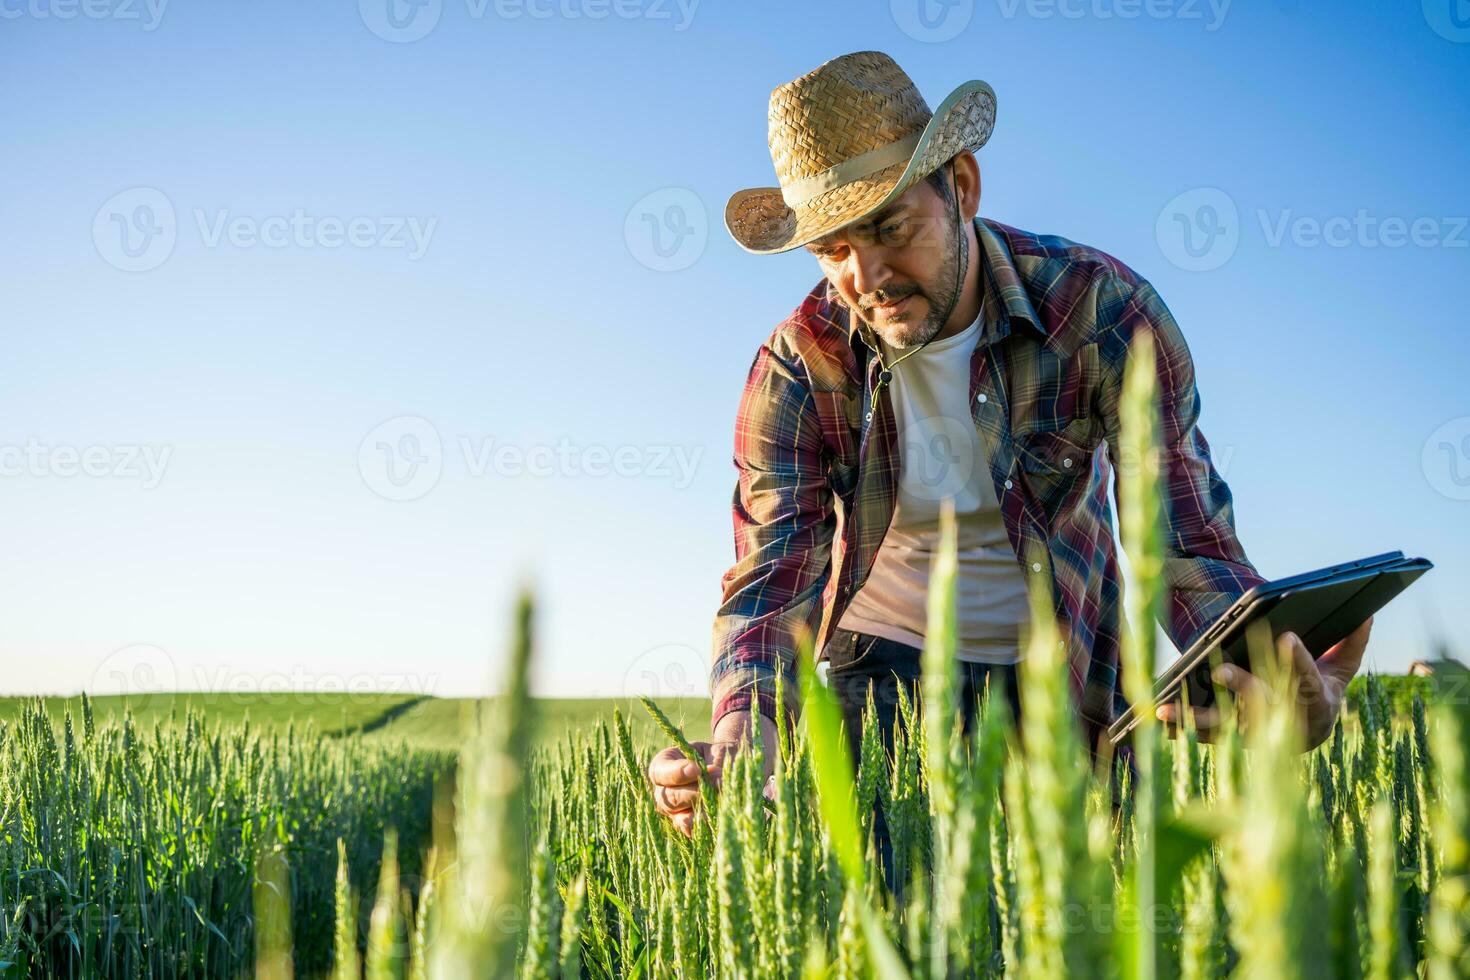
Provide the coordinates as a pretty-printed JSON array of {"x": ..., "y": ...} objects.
[{"x": 675, "y": 779}]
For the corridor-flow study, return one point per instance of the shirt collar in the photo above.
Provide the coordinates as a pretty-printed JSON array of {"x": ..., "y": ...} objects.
[{"x": 1003, "y": 299}]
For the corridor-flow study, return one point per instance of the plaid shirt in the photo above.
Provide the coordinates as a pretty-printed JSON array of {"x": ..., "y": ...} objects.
[{"x": 817, "y": 458}]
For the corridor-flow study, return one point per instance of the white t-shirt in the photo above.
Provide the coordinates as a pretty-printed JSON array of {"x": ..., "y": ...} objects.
[{"x": 941, "y": 456}]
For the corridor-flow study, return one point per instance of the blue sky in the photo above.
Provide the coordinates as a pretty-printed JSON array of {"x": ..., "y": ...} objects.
[{"x": 255, "y": 252}]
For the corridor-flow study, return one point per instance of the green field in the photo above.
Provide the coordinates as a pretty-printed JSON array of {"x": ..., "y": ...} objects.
[
  {"x": 131, "y": 828},
  {"x": 429, "y": 839},
  {"x": 438, "y": 723},
  {"x": 423, "y": 722}
]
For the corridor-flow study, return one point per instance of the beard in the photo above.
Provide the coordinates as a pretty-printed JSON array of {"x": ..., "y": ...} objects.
[{"x": 905, "y": 328}]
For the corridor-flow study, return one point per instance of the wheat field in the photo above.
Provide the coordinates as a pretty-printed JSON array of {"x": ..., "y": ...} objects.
[{"x": 181, "y": 849}]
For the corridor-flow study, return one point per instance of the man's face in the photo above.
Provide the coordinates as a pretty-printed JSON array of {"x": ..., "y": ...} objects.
[{"x": 896, "y": 268}]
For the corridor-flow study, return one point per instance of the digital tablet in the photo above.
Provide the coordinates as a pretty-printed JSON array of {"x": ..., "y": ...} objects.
[{"x": 1322, "y": 607}]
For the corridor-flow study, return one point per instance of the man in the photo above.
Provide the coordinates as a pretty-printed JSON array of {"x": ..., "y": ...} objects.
[{"x": 946, "y": 356}]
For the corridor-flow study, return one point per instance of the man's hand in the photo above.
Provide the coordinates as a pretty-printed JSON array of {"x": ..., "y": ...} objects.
[
  {"x": 676, "y": 780},
  {"x": 1320, "y": 686}
]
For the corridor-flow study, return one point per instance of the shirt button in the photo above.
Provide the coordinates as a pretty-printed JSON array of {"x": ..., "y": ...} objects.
[
  {"x": 981, "y": 398},
  {"x": 1067, "y": 463},
  {"x": 1036, "y": 566},
  {"x": 1008, "y": 484}
]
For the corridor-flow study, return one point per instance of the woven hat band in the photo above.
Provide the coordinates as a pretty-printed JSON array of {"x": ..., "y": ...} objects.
[{"x": 801, "y": 190}]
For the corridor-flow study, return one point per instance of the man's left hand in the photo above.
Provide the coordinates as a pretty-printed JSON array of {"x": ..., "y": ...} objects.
[{"x": 1320, "y": 685}]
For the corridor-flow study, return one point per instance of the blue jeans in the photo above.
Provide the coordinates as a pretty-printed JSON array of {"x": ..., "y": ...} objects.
[{"x": 857, "y": 660}]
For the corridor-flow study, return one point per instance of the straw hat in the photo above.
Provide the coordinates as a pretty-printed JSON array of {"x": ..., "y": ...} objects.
[{"x": 847, "y": 139}]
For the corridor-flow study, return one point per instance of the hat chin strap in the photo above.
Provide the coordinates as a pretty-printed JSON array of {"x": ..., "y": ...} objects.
[
  {"x": 803, "y": 189},
  {"x": 886, "y": 373}
]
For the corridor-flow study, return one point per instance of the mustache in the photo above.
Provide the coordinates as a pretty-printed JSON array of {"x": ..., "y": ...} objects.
[{"x": 886, "y": 295}]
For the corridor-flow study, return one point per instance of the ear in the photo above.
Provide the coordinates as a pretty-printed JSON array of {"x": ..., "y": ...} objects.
[{"x": 967, "y": 183}]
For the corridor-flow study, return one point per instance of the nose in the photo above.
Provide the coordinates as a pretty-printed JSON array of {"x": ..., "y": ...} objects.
[{"x": 869, "y": 269}]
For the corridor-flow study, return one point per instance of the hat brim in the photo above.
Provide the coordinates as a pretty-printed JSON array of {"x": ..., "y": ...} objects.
[{"x": 761, "y": 222}]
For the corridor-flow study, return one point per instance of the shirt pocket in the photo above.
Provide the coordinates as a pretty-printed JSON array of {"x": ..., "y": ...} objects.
[
  {"x": 842, "y": 477},
  {"x": 1049, "y": 392},
  {"x": 840, "y": 416},
  {"x": 1055, "y": 462}
]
